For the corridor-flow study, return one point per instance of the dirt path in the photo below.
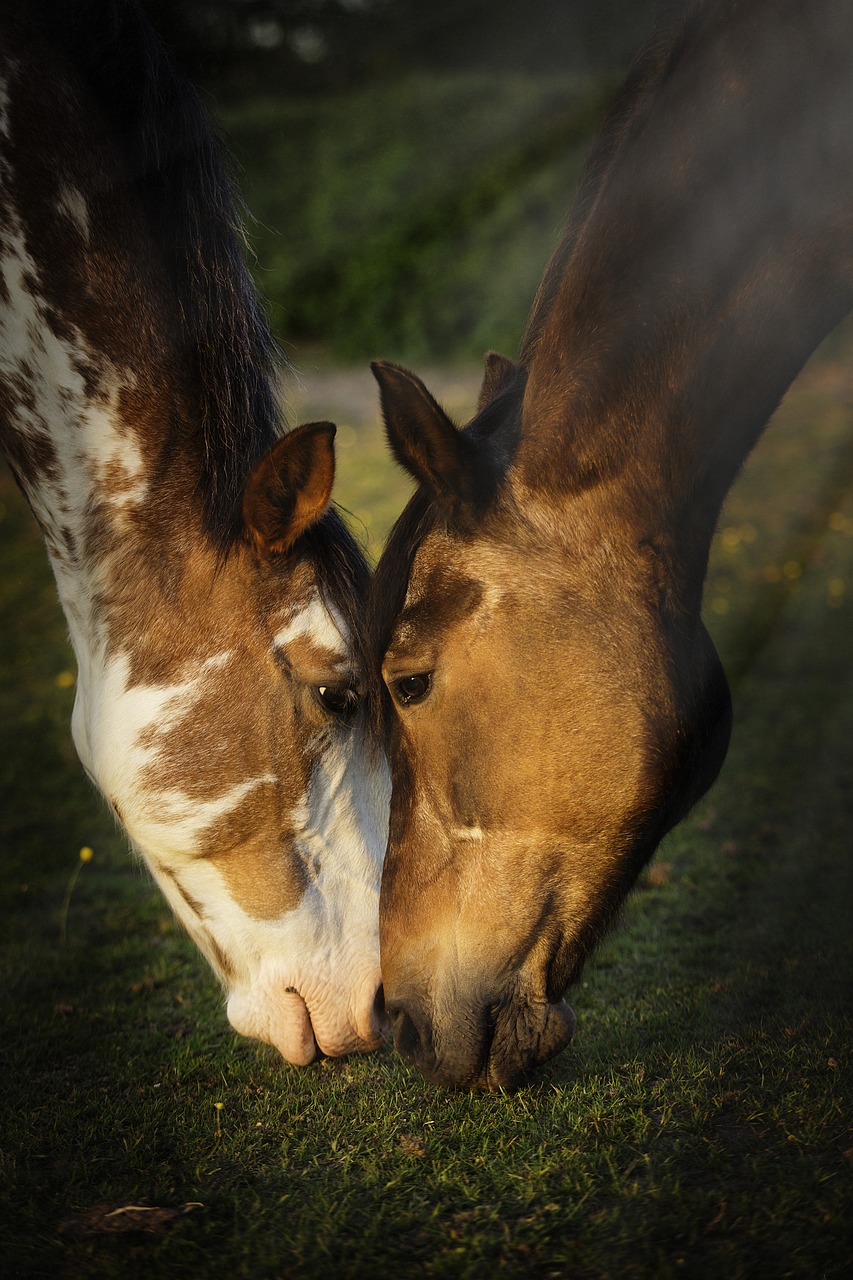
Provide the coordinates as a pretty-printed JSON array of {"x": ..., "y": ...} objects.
[{"x": 349, "y": 396}]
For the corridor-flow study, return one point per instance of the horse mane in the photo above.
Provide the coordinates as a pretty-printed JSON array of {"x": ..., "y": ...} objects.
[
  {"x": 178, "y": 165},
  {"x": 625, "y": 120},
  {"x": 344, "y": 577}
]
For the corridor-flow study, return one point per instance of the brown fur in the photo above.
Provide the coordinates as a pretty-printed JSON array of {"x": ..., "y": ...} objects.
[
  {"x": 139, "y": 414},
  {"x": 291, "y": 486},
  {"x": 575, "y": 707}
]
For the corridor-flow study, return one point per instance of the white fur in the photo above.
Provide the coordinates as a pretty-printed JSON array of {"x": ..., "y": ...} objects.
[
  {"x": 320, "y": 621},
  {"x": 72, "y": 204},
  {"x": 327, "y": 948},
  {"x": 119, "y": 730},
  {"x": 4, "y": 108},
  {"x": 100, "y": 457}
]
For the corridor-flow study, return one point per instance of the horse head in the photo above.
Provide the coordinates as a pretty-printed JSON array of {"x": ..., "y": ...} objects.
[
  {"x": 553, "y": 701},
  {"x": 215, "y": 599},
  {"x": 551, "y": 713}
]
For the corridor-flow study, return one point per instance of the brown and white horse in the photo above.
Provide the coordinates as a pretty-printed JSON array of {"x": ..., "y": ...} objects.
[
  {"x": 214, "y": 602},
  {"x": 554, "y": 703}
]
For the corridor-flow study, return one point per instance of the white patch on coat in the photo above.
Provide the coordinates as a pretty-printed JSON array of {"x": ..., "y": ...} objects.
[
  {"x": 97, "y": 456},
  {"x": 328, "y": 947},
  {"x": 4, "y": 108},
  {"x": 319, "y": 621},
  {"x": 120, "y": 729},
  {"x": 117, "y": 464},
  {"x": 72, "y": 204},
  {"x": 309, "y": 978}
]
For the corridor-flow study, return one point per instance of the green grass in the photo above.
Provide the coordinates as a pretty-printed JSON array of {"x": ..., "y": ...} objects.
[{"x": 698, "y": 1126}]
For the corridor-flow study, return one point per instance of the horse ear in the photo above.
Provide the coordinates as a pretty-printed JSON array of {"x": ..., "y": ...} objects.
[
  {"x": 422, "y": 437},
  {"x": 290, "y": 487},
  {"x": 500, "y": 373}
]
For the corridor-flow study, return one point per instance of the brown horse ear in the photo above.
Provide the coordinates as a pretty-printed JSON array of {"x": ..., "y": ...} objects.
[
  {"x": 290, "y": 487},
  {"x": 422, "y": 437},
  {"x": 500, "y": 373}
]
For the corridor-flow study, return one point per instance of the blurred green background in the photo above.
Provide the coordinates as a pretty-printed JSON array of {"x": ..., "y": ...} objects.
[{"x": 408, "y": 167}]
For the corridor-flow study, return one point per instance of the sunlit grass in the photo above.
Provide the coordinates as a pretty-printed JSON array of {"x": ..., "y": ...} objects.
[{"x": 698, "y": 1125}]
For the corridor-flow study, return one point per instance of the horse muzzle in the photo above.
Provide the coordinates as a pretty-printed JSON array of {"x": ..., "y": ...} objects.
[{"x": 488, "y": 1044}]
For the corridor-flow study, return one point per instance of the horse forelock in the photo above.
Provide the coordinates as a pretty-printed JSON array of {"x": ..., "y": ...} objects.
[{"x": 388, "y": 591}]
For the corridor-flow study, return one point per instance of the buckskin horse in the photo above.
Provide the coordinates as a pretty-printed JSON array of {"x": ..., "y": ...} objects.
[
  {"x": 214, "y": 600},
  {"x": 553, "y": 702}
]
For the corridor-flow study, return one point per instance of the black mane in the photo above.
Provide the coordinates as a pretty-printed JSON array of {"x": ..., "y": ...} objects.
[
  {"x": 389, "y": 587},
  {"x": 617, "y": 134},
  {"x": 344, "y": 576},
  {"x": 180, "y": 170}
]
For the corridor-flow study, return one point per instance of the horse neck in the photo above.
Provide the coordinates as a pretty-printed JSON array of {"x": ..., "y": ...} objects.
[
  {"x": 710, "y": 252},
  {"x": 113, "y": 498},
  {"x": 99, "y": 383},
  {"x": 111, "y": 486},
  {"x": 96, "y": 421}
]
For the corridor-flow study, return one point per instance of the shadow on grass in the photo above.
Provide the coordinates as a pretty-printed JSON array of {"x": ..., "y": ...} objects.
[{"x": 696, "y": 1127}]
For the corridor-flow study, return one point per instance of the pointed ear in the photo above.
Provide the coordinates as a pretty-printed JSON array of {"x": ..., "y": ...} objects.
[
  {"x": 420, "y": 434},
  {"x": 500, "y": 373},
  {"x": 290, "y": 487},
  {"x": 423, "y": 439}
]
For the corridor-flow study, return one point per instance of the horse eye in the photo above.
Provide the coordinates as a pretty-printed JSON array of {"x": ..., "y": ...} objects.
[
  {"x": 340, "y": 699},
  {"x": 412, "y": 688}
]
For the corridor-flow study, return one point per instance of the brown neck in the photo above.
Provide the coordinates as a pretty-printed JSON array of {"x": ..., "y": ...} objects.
[{"x": 710, "y": 250}]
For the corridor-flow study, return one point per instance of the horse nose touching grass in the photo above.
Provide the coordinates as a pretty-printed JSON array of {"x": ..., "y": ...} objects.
[
  {"x": 552, "y": 702},
  {"x": 214, "y": 597},
  {"x": 302, "y": 1036},
  {"x": 497, "y": 1045},
  {"x": 530, "y": 657}
]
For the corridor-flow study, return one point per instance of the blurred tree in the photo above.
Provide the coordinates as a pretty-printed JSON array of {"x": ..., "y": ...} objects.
[
  {"x": 520, "y": 35},
  {"x": 394, "y": 151},
  {"x": 299, "y": 45},
  {"x": 295, "y": 45}
]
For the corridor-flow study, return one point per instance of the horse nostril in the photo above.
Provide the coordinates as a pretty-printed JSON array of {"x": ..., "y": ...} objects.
[
  {"x": 380, "y": 1014},
  {"x": 406, "y": 1036},
  {"x": 412, "y": 1033}
]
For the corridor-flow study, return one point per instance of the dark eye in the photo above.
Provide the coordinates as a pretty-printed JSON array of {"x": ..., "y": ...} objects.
[
  {"x": 340, "y": 700},
  {"x": 411, "y": 688}
]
